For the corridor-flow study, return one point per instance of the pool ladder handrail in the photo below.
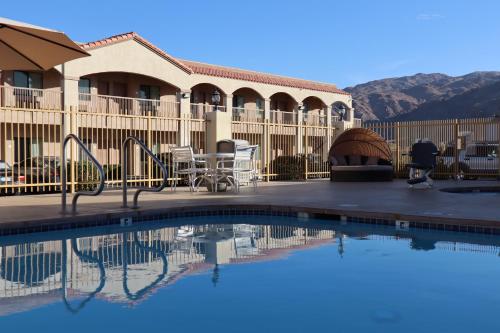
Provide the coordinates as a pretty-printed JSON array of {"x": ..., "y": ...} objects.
[
  {"x": 125, "y": 250},
  {"x": 64, "y": 272},
  {"x": 124, "y": 172},
  {"x": 64, "y": 181}
]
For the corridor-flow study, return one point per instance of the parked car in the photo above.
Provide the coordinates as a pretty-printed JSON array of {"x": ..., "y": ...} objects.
[
  {"x": 8, "y": 176},
  {"x": 39, "y": 169},
  {"x": 476, "y": 159}
]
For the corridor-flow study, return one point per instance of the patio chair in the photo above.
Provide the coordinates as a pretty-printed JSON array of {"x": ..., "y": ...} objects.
[
  {"x": 184, "y": 164},
  {"x": 423, "y": 161},
  {"x": 242, "y": 168}
]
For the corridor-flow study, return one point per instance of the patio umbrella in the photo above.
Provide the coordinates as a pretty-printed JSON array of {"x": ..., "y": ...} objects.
[{"x": 28, "y": 47}]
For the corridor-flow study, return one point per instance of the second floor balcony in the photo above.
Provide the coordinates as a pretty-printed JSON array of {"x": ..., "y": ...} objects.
[
  {"x": 247, "y": 114},
  {"x": 29, "y": 98},
  {"x": 116, "y": 105},
  {"x": 165, "y": 107}
]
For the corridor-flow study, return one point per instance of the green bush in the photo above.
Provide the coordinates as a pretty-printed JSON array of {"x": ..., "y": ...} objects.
[
  {"x": 289, "y": 167},
  {"x": 294, "y": 167},
  {"x": 86, "y": 175}
]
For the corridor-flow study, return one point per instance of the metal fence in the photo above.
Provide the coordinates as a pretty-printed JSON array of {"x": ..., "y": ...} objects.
[
  {"x": 32, "y": 125},
  {"x": 30, "y": 143},
  {"x": 288, "y": 151},
  {"x": 468, "y": 147}
]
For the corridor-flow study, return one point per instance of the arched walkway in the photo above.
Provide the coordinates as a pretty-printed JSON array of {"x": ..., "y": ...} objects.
[
  {"x": 340, "y": 110},
  {"x": 201, "y": 99},
  {"x": 248, "y": 104},
  {"x": 314, "y": 111},
  {"x": 283, "y": 108}
]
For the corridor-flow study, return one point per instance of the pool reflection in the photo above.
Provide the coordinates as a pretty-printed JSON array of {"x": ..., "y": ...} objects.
[{"x": 130, "y": 266}]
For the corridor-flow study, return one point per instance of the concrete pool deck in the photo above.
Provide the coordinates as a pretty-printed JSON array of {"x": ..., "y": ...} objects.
[{"x": 390, "y": 200}]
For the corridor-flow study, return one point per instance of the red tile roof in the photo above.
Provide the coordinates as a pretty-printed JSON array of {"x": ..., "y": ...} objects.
[
  {"x": 132, "y": 35},
  {"x": 219, "y": 71},
  {"x": 246, "y": 75}
]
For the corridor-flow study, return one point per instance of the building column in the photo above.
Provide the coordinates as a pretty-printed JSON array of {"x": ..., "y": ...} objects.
[
  {"x": 70, "y": 103},
  {"x": 265, "y": 150},
  {"x": 330, "y": 131},
  {"x": 218, "y": 128},
  {"x": 228, "y": 103},
  {"x": 351, "y": 114},
  {"x": 184, "y": 133},
  {"x": 300, "y": 129},
  {"x": 267, "y": 108}
]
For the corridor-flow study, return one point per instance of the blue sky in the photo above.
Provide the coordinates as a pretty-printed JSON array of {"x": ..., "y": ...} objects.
[{"x": 344, "y": 42}]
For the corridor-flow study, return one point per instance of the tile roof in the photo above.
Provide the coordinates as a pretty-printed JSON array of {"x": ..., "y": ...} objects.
[
  {"x": 218, "y": 71},
  {"x": 246, "y": 75},
  {"x": 132, "y": 35}
]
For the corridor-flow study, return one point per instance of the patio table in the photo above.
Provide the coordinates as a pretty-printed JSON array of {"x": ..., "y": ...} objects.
[{"x": 211, "y": 159}]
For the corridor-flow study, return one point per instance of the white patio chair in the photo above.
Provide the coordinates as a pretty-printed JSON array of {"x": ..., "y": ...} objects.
[
  {"x": 240, "y": 169},
  {"x": 185, "y": 164}
]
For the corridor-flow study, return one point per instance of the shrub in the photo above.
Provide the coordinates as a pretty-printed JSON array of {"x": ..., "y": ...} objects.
[
  {"x": 288, "y": 167},
  {"x": 86, "y": 175}
]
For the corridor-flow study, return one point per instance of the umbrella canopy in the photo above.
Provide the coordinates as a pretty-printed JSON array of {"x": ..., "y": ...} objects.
[
  {"x": 28, "y": 47},
  {"x": 361, "y": 142}
]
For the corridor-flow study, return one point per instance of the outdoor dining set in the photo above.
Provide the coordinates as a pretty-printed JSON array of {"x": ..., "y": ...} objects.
[{"x": 234, "y": 164}]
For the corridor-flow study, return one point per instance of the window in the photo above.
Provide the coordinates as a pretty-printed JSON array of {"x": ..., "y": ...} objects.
[
  {"x": 84, "y": 88},
  {"x": 152, "y": 93},
  {"x": 28, "y": 80},
  {"x": 149, "y": 92},
  {"x": 481, "y": 151},
  {"x": 259, "y": 104},
  {"x": 238, "y": 102},
  {"x": 305, "y": 108}
]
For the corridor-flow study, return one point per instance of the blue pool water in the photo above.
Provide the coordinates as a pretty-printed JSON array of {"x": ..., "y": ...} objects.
[{"x": 249, "y": 274}]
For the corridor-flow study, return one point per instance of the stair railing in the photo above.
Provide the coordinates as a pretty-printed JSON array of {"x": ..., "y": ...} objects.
[
  {"x": 125, "y": 167},
  {"x": 64, "y": 181}
]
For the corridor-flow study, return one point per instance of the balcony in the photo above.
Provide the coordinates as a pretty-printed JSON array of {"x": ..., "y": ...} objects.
[
  {"x": 283, "y": 117},
  {"x": 115, "y": 105},
  {"x": 198, "y": 110},
  {"x": 28, "y": 98},
  {"x": 314, "y": 119},
  {"x": 249, "y": 115}
]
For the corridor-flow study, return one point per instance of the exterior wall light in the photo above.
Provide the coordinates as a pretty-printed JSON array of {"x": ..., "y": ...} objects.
[
  {"x": 216, "y": 99},
  {"x": 342, "y": 112}
]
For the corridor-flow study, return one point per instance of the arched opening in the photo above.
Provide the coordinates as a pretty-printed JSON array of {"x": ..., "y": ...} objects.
[
  {"x": 127, "y": 93},
  {"x": 248, "y": 104},
  {"x": 283, "y": 108},
  {"x": 201, "y": 99},
  {"x": 115, "y": 105},
  {"x": 340, "y": 111},
  {"x": 314, "y": 111}
]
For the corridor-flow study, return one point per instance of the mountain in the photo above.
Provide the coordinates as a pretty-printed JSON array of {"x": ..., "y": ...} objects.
[{"x": 428, "y": 96}]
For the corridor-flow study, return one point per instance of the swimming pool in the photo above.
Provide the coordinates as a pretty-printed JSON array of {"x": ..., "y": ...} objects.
[{"x": 249, "y": 274}]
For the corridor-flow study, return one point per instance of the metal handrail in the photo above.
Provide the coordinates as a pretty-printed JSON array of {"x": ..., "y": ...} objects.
[
  {"x": 142, "y": 292},
  {"x": 97, "y": 191},
  {"x": 124, "y": 171},
  {"x": 83, "y": 257}
]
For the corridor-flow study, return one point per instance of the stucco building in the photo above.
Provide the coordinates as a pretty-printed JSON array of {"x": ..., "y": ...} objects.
[{"x": 128, "y": 86}]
